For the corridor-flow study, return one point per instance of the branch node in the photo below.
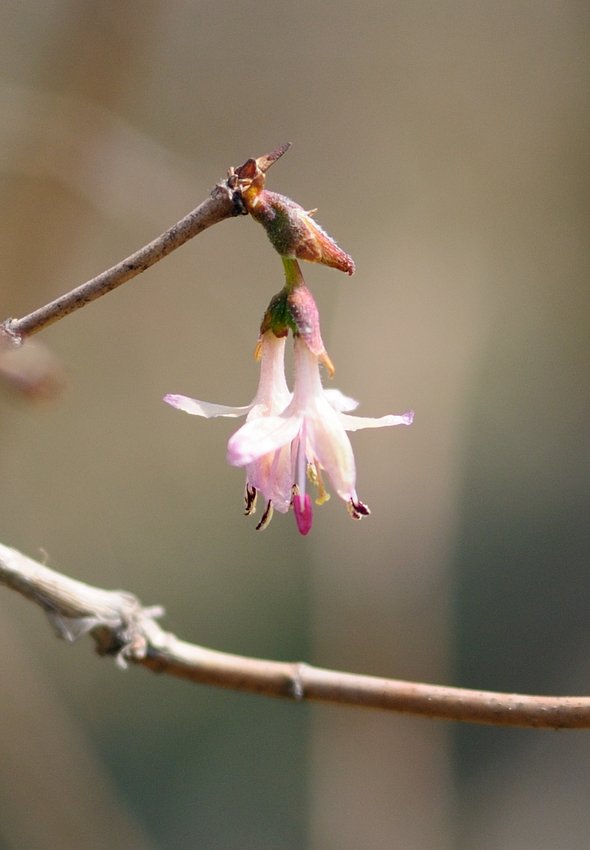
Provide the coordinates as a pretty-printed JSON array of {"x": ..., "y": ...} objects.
[
  {"x": 296, "y": 684},
  {"x": 127, "y": 638}
]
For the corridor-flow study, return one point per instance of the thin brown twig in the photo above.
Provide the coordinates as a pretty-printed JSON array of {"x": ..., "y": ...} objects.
[
  {"x": 122, "y": 627},
  {"x": 223, "y": 202},
  {"x": 215, "y": 208}
]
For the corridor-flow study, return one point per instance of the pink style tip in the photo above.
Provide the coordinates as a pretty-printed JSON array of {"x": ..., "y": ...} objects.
[{"x": 303, "y": 513}]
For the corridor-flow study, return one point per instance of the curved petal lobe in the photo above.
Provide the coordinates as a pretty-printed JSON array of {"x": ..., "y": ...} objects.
[{"x": 204, "y": 408}]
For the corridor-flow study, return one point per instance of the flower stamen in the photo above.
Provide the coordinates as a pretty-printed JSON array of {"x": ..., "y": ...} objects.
[
  {"x": 357, "y": 509},
  {"x": 315, "y": 476},
  {"x": 266, "y": 517},
  {"x": 250, "y": 495}
]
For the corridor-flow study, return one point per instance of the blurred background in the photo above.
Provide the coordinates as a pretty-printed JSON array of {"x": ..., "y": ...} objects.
[{"x": 446, "y": 146}]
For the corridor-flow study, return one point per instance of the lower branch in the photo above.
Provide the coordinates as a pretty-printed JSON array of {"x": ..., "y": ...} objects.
[{"x": 122, "y": 627}]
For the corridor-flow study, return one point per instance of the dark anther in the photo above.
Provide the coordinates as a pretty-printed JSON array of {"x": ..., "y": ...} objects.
[
  {"x": 358, "y": 509},
  {"x": 266, "y": 517},
  {"x": 250, "y": 500}
]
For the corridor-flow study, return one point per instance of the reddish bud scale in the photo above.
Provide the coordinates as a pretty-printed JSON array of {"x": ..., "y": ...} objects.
[
  {"x": 290, "y": 228},
  {"x": 293, "y": 232},
  {"x": 306, "y": 318}
]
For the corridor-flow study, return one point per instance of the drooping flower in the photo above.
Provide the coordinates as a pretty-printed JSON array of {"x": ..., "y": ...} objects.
[
  {"x": 289, "y": 438},
  {"x": 312, "y": 431},
  {"x": 270, "y": 476}
]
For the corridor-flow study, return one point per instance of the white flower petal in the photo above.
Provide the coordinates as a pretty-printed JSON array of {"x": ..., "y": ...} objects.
[
  {"x": 339, "y": 401},
  {"x": 272, "y": 476},
  {"x": 204, "y": 408},
  {"x": 330, "y": 446},
  {"x": 261, "y": 436},
  {"x": 356, "y": 423}
]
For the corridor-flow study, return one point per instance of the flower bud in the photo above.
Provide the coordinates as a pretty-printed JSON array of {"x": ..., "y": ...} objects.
[{"x": 291, "y": 229}]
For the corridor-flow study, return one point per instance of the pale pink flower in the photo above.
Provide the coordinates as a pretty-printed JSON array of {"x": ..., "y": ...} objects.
[
  {"x": 270, "y": 475},
  {"x": 308, "y": 436}
]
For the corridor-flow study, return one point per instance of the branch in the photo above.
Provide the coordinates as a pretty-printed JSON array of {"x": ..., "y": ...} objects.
[
  {"x": 122, "y": 627},
  {"x": 223, "y": 202}
]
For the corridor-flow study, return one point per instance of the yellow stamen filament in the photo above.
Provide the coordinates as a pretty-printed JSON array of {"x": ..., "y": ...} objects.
[{"x": 315, "y": 476}]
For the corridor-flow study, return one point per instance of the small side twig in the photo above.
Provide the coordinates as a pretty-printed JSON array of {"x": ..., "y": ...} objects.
[
  {"x": 223, "y": 202},
  {"x": 122, "y": 627}
]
